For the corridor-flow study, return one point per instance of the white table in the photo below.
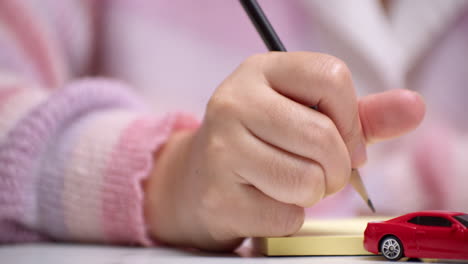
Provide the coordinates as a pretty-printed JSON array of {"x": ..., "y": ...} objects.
[{"x": 94, "y": 254}]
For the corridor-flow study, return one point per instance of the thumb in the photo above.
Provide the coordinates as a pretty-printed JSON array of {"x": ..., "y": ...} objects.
[{"x": 390, "y": 114}]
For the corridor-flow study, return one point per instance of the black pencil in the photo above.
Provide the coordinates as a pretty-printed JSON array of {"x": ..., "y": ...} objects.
[
  {"x": 273, "y": 43},
  {"x": 263, "y": 26}
]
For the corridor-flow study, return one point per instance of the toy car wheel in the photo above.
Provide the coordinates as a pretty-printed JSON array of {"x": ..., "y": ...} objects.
[{"x": 391, "y": 248}]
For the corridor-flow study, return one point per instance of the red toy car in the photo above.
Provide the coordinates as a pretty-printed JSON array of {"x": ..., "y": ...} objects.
[{"x": 431, "y": 234}]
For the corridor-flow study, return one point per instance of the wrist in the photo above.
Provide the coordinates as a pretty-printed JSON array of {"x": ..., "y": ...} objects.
[{"x": 162, "y": 213}]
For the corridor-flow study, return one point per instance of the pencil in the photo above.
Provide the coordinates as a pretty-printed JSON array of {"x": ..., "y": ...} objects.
[{"x": 273, "y": 43}]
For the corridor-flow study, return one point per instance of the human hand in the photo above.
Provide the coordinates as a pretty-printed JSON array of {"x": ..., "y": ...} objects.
[{"x": 262, "y": 154}]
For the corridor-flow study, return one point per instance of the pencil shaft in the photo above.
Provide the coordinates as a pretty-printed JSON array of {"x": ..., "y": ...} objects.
[{"x": 263, "y": 26}]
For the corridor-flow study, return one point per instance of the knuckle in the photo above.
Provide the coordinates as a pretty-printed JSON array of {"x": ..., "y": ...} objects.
[
  {"x": 326, "y": 126},
  {"x": 216, "y": 148},
  {"x": 337, "y": 182},
  {"x": 336, "y": 73},
  {"x": 315, "y": 186},
  {"x": 326, "y": 133},
  {"x": 255, "y": 61},
  {"x": 309, "y": 184},
  {"x": 289, "y": 220},
  {"x": 220, "y": 106}
]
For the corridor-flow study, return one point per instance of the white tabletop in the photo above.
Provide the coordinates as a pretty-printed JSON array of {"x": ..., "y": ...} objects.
[{"x": 93, "y": 254}]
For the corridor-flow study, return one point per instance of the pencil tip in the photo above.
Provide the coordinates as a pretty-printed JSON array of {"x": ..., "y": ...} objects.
[{"x": 371, "y": 206}]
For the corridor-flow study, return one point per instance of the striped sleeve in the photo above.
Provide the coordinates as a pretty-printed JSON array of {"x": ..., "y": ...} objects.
[
  {"x": 73, "y": 152},
  {"x": 72, "y": 162}
]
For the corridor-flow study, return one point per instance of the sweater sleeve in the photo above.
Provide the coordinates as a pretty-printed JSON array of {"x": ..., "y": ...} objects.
[
  {"x": 73, "y": 151},
  {"x": 72, "y": 162}
]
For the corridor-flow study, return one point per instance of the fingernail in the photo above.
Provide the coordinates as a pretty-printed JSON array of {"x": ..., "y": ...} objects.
[{"x": 359, "y": 156}]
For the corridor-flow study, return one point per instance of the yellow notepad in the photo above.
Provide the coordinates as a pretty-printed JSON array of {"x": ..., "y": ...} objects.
[{"x": 339, "y": 237}]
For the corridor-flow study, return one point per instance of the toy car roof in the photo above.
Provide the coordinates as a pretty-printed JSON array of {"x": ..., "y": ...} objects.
[
  {"x": 436, "y": 213},
  {"x": 426, "y": 213}
]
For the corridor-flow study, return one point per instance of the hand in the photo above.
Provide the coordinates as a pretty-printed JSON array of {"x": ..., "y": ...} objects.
[{"x": 262, "y": 154}]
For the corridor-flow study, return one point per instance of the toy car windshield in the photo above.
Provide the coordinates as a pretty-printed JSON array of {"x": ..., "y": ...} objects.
[{"x": 463, "y": 219}]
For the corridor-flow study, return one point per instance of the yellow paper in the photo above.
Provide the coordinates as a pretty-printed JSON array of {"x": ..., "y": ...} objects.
[{"x": 340, "y": 237}]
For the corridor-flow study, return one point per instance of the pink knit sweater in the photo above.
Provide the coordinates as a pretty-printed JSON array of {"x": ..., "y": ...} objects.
[
  {"x": 74, "y": 147},
  {"x": 73, "y": 152}
]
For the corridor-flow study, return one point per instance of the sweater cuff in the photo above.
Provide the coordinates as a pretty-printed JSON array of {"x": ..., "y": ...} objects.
[
  {"x": 102, "y": 191},
  {"x": 130, "y": 163}
]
